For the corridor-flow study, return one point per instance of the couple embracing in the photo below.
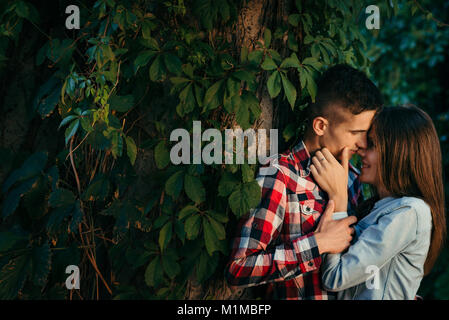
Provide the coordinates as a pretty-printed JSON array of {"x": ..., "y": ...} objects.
[{"x": 313, "y": 236}]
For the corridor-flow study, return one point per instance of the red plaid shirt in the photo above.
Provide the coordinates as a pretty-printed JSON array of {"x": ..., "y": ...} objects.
[{"x": 276, "y": 244}]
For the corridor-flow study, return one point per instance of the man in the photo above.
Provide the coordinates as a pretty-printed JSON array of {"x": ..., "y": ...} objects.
[{"x": 281, "y": 241}]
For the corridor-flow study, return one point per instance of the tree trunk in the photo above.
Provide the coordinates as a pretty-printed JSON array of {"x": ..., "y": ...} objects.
[{"x": 253, "y": 18}]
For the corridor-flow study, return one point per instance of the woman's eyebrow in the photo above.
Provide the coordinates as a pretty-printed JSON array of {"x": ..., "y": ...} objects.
[{"x": 358, "y": 130}]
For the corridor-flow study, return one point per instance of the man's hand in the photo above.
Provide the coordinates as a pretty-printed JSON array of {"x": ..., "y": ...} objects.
[
  {"x": 332, "y": 176},
  {"x": 333, "y": 236}
]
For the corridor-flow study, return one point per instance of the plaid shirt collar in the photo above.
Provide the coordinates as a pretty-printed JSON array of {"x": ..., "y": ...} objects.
[{"x": 302, "y": 155}]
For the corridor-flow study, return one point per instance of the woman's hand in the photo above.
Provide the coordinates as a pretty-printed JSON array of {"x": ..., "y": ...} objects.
[{"x": 332, "y": 176}]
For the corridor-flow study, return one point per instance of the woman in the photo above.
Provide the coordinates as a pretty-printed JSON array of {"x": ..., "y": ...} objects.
[{"x": 397, "y": 242}]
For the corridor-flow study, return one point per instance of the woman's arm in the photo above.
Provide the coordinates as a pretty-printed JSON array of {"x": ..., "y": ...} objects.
[{"x": 375, "y": 246}]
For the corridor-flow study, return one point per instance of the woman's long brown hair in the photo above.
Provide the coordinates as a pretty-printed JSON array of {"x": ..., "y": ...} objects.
[{"x": 410, "y": 164}]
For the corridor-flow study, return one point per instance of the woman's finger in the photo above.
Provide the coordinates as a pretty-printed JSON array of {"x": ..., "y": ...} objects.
[
  {"x": 317, "y": 163},
  {"x": 314, "y": 171},
  {"x": 320, "y": 156},
  {"x": 328, "y": 155}
]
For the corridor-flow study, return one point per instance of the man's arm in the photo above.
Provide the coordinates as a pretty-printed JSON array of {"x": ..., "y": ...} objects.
[{"x": 255, "y": 259}]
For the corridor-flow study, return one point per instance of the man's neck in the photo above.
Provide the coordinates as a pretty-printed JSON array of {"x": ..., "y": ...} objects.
[{"x": 311, "y": 144}]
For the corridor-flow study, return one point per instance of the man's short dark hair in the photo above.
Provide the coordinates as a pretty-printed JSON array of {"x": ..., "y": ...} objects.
[{"x": 347, "y": 87}]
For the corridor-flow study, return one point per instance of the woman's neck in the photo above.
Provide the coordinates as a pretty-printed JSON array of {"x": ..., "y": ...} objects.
[{"x": 383, "y": 193}]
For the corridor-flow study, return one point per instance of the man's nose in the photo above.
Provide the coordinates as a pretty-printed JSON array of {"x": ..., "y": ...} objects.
[{"x": 362, "y": 143}]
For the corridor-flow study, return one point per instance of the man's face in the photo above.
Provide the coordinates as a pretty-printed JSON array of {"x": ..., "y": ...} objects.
[{"x": 346, "y": 130}]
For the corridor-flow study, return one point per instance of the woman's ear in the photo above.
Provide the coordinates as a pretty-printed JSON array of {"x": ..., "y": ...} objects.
[{"x": 319, "y": 125}]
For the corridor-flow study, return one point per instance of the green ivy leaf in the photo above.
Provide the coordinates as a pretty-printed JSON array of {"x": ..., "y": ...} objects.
[
  {"x": 206, "y": 266},
  {"x": 255, "y": 56},
  {"x": 170, "y": 265},
  {"x": 161, "y": 155},
  {"x": 174, "y": 184},
  {"x": 210, "y": 238},
  {"x": 246, "y": 197},
  {"x": 289, "y": 90},
  {"x": 47, "y": 97},
  {"x": 77, "y": 216},
  {"x": 247, "y": 173},
  {"x": 154, "y": 273},
  {"x": 289, "y": 132},
  {"x": 311, "y": 87},
  {"x": 228, "y": 182},
  {"x": 212, "y": 92},
  {"x": 187, "y": 211},
  {"x": 220, "y": 217},
  {"x": 165, "y": 235},
  {"x": 291, "y": 62},
  {"x": 131, "y": 149},
  {"x": 143, "y": 58},
  {"x": 61, "y": 197},
  {"x": 267, "y": 37},
  {"x": 40, "y": 264},
  {"x": 71, "y": 130},
  {"x": 243, "y": 75},
  {"x": 312, "y": 61},
  {"x": 13, "y": 276},
  {"x": 268, "y": 64},
  {"x": 32, "y": 166},
  {"x": 157, "y": 69},
  {"x": 252, "y": 102},
  {"x": 294, "y": 19},
  {"x": 12, "y": 200},
  {"x": 218, "y": 228},
  {"x": 242, "y": 116},
  {"x": 274, "y": 84},
  {"x": 173, "y": 64},
  {"x": 194, "y": 188},
  {"x": 192, "y": 226},
  {"x": 97, "y": 189},
  {"x": 67, "y": 120}
]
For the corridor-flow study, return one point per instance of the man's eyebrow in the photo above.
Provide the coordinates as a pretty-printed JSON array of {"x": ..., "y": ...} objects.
[{"x": 358, "y": 130}]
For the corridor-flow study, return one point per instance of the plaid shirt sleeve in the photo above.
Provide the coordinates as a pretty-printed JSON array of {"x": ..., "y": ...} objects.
[{"x": 259, "y": 255}]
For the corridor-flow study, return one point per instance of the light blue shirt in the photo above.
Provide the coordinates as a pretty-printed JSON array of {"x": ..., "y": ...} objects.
[{"x": 386, "y": 261}]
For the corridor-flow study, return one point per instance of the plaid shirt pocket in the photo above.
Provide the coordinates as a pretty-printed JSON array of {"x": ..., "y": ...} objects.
[{"x": 310, "y": 213}]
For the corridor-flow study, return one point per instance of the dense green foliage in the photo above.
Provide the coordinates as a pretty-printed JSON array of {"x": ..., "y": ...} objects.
[{"x": 135, "y": 71}]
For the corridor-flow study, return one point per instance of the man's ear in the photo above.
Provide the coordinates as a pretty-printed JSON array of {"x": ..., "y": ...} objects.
[{"x": 319, "y": 125}]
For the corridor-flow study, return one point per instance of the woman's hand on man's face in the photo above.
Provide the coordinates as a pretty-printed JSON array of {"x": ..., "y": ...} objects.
[{"x": 332, "y": 176}]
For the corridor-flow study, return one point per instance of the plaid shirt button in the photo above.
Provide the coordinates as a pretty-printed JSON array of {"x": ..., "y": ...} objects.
[{"x": 310, "y": 264}]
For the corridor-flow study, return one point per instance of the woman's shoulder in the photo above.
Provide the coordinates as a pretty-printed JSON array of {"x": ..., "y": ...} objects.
[
  {"x": 412, "y": 202},
  {"x": 412, "y": 205}
]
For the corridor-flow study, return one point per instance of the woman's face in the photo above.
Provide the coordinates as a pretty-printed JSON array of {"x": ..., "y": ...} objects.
[{"x": 369, "y": 163}]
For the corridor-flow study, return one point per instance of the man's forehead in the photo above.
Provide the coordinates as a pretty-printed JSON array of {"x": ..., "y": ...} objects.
[{"x": 361, "y": 121}]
